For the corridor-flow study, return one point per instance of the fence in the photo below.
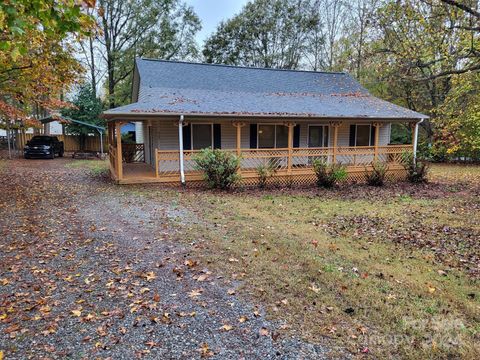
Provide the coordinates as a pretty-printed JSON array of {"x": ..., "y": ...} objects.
[{"x": 72, "y": 142}]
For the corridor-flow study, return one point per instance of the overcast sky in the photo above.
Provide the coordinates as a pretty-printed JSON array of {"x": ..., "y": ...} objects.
[{"x": 211, "y": 12}]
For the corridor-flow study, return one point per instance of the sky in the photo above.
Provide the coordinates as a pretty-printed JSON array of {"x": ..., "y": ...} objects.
[{"x": 211, "y": 12}]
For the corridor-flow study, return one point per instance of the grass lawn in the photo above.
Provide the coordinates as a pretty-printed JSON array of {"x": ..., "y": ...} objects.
[
  {"x": 390, "y": 272},
  {"x": 96, "y": 167}
]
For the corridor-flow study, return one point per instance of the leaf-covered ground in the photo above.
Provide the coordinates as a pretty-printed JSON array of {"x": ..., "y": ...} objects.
[
  {"x": 92, "y": 270},
  {"x": 389, "y": 272},
  {"x": 89, "y": 269}
]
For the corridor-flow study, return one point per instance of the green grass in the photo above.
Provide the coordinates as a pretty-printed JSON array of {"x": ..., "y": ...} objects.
[{"x": 96, "y": 167}]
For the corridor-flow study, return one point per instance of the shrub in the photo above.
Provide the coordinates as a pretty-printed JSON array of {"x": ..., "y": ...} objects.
[
  {"x": 328, "y": 175},
  {"x": 264, "y": 172},
  {"x": 417, "y": 171},
  {"x": 377, "y": 176},
  {"x": 219, "y": 167}
]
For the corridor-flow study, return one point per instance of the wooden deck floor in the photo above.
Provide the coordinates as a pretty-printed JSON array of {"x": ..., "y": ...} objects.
[{"x": 138, "y": 173}]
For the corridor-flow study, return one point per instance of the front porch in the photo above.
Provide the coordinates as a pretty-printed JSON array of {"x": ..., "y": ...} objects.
[{"x": 291, "y": 165}]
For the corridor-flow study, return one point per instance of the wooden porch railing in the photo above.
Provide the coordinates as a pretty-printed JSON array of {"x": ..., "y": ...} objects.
[
  {"x": 133, "y": 153},
  {"x": 299, "y": 160},
  {"x": 112, "y": 156}
]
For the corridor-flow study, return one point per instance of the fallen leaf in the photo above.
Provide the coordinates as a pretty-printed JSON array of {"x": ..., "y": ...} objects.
[
  {"x": 190, "y": 263},
  {"x": 202, "y": 277},
  {"x": 227, "y": 327},
  {"x": 77, "y": 313},
  {"x": 263, "y": 332},
  {"x": 150, "y": 276},
  {"x": 195, "y": 293},
  {"x": 205, "y": 351},
  {"x": 242, "y": 319}
]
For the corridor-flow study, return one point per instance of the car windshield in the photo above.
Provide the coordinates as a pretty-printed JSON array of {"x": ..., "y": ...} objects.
[{"x": 41, "y": 140}]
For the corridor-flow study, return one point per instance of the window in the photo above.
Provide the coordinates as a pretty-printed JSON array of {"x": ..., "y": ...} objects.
[
  {"x": 272, "y": 136},
  {"x": 362, "y": 137},
  {"x": 318, "y": 136},
  {"x": 202, "y": 136}
]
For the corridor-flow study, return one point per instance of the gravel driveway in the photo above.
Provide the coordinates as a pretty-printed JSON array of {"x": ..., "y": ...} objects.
[{"x": 91, "y": 270}]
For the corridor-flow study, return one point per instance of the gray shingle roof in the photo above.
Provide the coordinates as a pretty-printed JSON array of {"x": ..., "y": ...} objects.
[{"x": 171, "y": 87}]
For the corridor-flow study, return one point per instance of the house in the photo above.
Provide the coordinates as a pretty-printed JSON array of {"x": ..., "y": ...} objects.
[{"x": 285, "y": 118}]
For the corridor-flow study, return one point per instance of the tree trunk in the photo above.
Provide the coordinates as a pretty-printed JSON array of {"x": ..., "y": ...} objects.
[{"x": 92, "y": 67}]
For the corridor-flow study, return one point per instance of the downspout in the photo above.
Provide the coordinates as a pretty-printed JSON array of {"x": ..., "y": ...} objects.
[
  {"x": 180, "y": 141},
  {"x": 415, "y": 140}
]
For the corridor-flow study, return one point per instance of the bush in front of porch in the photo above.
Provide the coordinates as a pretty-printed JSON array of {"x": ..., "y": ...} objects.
[
  {"x": 328, "y": 175},
  {"x": 220, "y": 168}
]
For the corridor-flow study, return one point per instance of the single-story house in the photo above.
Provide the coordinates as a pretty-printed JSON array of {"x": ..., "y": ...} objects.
[{"x": 266, "y": 116}]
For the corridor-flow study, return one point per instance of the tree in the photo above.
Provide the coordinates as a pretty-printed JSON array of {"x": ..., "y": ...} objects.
[
  {"x": 86, "y": 108},
  {"x": 36, "y": 63},
  {"x": 457, "y": 120},
  {"x": 153, "y": 28},
  {"x": 266, "y": 33}
]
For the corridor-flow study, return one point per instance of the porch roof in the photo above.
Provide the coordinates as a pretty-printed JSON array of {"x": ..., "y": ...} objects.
[{"x": 175, "y": 88}]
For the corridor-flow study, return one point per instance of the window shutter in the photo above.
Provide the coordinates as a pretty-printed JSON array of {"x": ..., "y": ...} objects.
[
  {"x": 296, "y": 136},
  {"x": 353, "y": 134},
  {"x": 373, "y": 130},
  {"x": 187, "y": 137},
  {"x": 253, "y": 136},
  {"x": 217, "y": 136}
]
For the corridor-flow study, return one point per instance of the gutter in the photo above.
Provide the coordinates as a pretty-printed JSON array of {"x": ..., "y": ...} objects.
[
  {"x": 180, "y": 141},
  {"x": 415, "y": 140},
  {"x": 133, "y": 116}
]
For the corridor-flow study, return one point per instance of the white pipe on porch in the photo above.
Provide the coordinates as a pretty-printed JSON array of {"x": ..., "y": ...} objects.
[
  {"x": 415, "y": 141},
  {"x": 101, "y": 143},
  {"x": 180, "y": 141}
]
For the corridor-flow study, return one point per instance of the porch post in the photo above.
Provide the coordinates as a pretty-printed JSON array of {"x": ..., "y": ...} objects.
[
  {"x": 238, "y": 125},
  {"x": 377, "y": 126},
  {"x": 290, "y": 126},
  {"x": 118, "y": 133},
  {"x": 415, "y": 141},
  {"x": 335, "y": 125},
  {"x": 180, "y": 142}
]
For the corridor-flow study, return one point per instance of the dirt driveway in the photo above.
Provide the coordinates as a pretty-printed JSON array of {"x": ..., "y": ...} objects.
[{"x": 89, "y": 269}]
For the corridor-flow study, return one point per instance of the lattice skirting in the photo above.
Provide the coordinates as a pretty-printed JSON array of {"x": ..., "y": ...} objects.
[{"x": 303, "y": 179}]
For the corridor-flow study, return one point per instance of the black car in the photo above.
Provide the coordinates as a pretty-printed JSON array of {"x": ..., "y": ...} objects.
[{"x": 43, "y": 147}]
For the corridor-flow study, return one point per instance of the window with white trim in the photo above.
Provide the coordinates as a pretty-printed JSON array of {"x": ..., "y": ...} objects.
[
  {"x": 272, "y": 136},
  {"x": 318, "y": 136},
  {"x": 202, "y": 136}
]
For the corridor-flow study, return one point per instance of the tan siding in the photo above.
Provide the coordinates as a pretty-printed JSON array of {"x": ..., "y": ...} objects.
[
  {"x": 344, "y": 134},
  {"x": 384, "y": 138}
]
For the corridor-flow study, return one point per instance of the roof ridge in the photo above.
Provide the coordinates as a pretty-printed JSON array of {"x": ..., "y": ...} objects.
[{"x": 243, "y": 67}]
